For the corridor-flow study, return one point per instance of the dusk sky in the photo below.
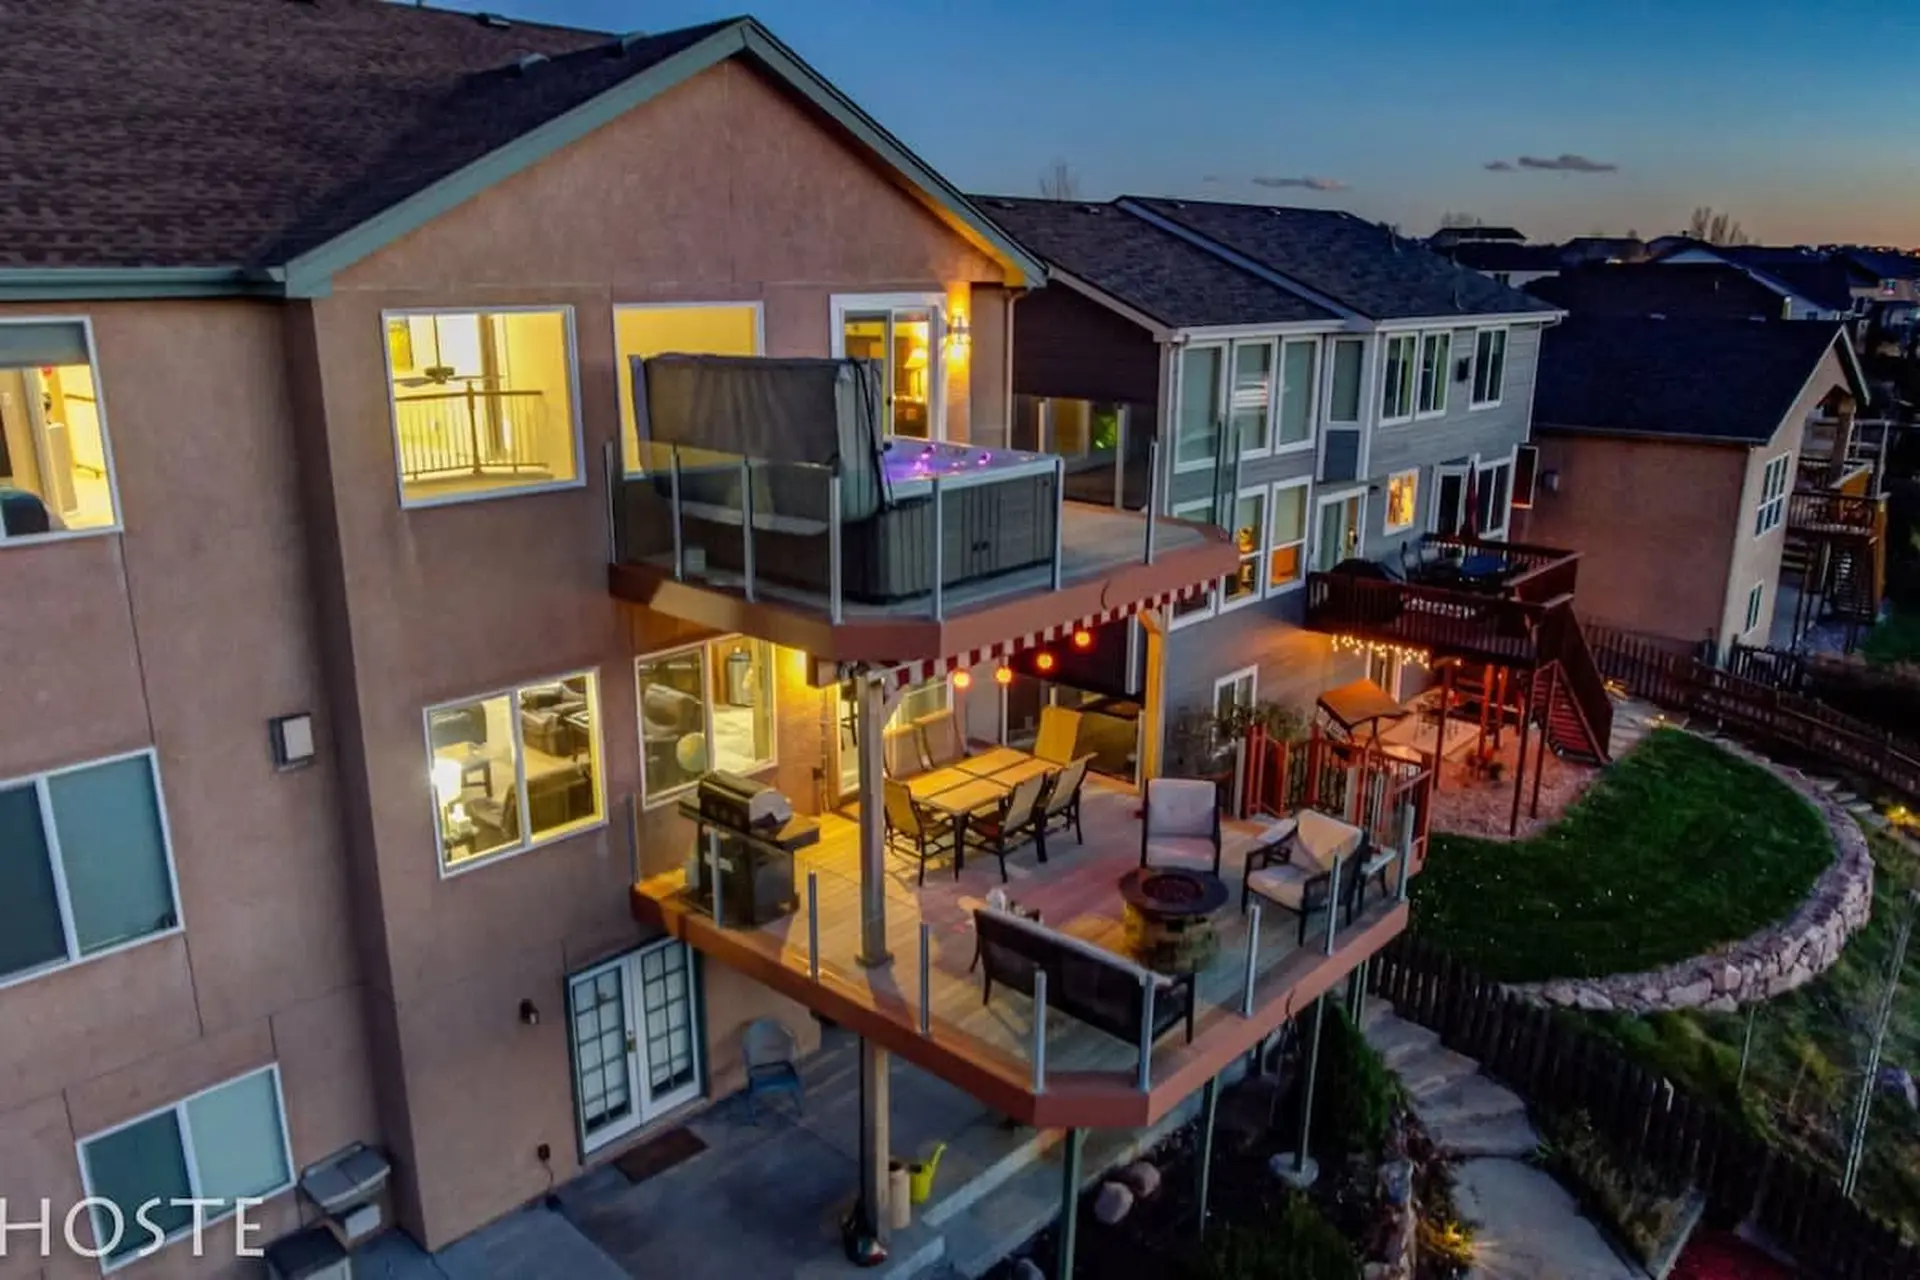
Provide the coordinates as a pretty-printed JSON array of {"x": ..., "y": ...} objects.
[{"x": 1801, "y": 119}]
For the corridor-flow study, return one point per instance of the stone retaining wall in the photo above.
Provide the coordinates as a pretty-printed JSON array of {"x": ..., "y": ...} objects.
[{"x": 1777, "y": 959}]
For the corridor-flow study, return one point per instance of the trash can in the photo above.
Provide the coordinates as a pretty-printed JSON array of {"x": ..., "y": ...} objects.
[
  {"x": 310, "y": 1254},
  {"x": 740, "y": 678}
]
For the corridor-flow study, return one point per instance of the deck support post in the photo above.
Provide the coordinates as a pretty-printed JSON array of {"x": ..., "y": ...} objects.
[
  {"x": 1440, "y": 735},
  {"x": 870, "y": 718},
  {"x": 1069, "y": 1202},
  {"x": 1298, "y": 1168},
  {"x": 1357, "y": 992},
  {"x": 1546, "y": 716},
  {"x": 1209, "y": 1104},
  {"x": 1520, "y": 769},
  {"x": 874, "y": 1138}
]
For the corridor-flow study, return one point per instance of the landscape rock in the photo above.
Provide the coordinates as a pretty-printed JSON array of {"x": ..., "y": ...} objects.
[
  {"x": 1112, "y": 1202},
  {"x": 1028, "y": 1269},
  {"x": 1141, "y": 1177}
]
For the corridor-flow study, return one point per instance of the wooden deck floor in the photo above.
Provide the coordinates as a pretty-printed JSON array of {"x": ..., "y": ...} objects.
[{"x": 1075, "y": 891}]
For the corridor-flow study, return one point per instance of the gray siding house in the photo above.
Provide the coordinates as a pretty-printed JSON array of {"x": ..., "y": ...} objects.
[{"x": 1318, "y": 386}]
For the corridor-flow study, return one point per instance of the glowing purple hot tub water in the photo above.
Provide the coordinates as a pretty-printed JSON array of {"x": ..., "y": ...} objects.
[{"x": 910, "y": 464}]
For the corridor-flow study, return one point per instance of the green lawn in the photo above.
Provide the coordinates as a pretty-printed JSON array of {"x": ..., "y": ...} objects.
[
  {"x": 1809, "y": 1045},
  {"x": 1677, "y": 849}
]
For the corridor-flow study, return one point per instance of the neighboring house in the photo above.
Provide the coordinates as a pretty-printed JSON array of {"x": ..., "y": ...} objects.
[
  {"x": 1673, "y": 289},
  {"x": 1888, "y": 282},
  {"x": 1447, "y": 238},
  {"x": 1587, "y": 250},
  {"x": 1813, "y": 285},
  {"x": 1668, "y": 457},
  {"x": 1507, "y": 263},
  {"x": 1330, "y": 391}
]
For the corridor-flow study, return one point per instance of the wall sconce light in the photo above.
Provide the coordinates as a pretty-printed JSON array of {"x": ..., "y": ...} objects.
[
  {"x": 959, "y": 332},
  {"x": 529, "y": 1013},
  {"x": 291, "y": 738}
]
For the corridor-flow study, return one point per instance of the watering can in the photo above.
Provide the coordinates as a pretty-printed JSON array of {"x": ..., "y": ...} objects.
[{"x": 920, "y": 1174}]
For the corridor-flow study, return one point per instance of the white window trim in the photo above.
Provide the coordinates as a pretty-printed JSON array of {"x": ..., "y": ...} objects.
[
  {"x": 106, "y": 440},
  {"x": 1325, "y": 416},
  {"x": 1442, "y": 374},
  {"x": 1775, "y": 507},
  {"x": 1250, "y": 674},
  {"x": 1258, "y": 555},
  {"x": 621, "y": 375},
  {"x": 1270, "y": 430},
  {"x": 1307, "y": 511},
  {"x": 935, "y": 305},
  {"x": 1385, "y": 362},
  {"x": 1222, "y": 388},
  {"x": 1321, "y": 354},
  {"x": 1473, "y": 374},
  {"x": 1203, "y": 509},
  {"x": 42, "y": 793},
  {"x": 534, "y": 840},
  {"x": 1440, "y": 471},
  {"x": 1759, "y": 615},
  {"x": 636, "y": 1021},
  {"x": 706, "y": 712},
  {"x": 1509, "y": 461},
  {"x": 1386, "y": 512},
  {"x": 1325, "y": 499},
  {"x": 579, "y": 480},
  {"x": 179, "y": 1107}
]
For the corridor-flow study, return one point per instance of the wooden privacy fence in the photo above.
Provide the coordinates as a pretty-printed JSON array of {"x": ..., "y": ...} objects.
[
  {"x": 1559, "y": 1067},
  {"x": 1771, "y": 713}
]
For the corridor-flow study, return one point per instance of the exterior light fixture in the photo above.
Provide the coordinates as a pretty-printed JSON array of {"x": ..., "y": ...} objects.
[
  {"x": 529, "y": 1013},
  {"x": 291, "y": 738},
  {"x": 962, "y": 679},
  {"x": 1082, "y": 638},
  {"x": 959, "y": 332},
  {"x": 1043, "y": 661},
  {"x": 1003, "y": 675}
]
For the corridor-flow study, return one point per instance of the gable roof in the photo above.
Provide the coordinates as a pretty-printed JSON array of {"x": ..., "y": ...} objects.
[
  {"x": 1157, "y": 273},
  {"x": 1883, "y": 264},
  {"x": 1704, "y": 289},
  {"x": 245, "y": 135},
  {"x": 1503, "y": 255},
  {"x": 1718, "y": 381},
  {"x": 1339, "y": 258},
  {"x": 1807, "y": 274}
]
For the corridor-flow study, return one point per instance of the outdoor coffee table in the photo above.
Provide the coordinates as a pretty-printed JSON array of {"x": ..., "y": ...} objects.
[{"x": 1169, "y": 917}]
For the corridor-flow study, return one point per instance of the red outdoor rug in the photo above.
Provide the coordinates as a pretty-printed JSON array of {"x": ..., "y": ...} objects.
[{"x": 1718, "y": 1255}]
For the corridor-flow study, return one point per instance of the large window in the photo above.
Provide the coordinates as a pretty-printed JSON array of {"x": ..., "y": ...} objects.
[
  {"x": 1287, "y": 541},
  {"x": 56, "y": 474},
  {"x": 1243, "y": 585},
  {"x": 903, "y": 335},
  {"x": 1489, "y": 367},
  {"x": 1756, "y": 606},
  {"x": 85, "y": 864},
  {"x": 1197, "y": 433},
  {"x": 706, "y": 706},
  {"x": 1298, "y": 367},
  {"x": 716, "y": 329},
  {"x": 1396, "y": 387},
  {"x": 1435, "y": 354},
  {"x": 1343, "y": 401},
  {"x": 1252, "y": 398},
  {"x": 515, "y": 768},
  {"x": 1773, "y": 495},
  {"x": 222, "y": 1145},
  {"x": 483, "y": 402},
  {"x": 1403, "y": 500}
]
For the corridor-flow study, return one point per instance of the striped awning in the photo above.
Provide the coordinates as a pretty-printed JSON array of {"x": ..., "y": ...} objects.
[{"x": 911, "y": 673}]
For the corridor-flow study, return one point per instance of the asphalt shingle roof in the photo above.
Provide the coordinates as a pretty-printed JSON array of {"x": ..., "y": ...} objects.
[
  {"x": 1501, "y": 255},
  {"x": 1358, "y": 264},
  {"x": 1151, "y": 270},
  {"x": 1704, "y": 289},
  {"x": 1727, "y": 380},
  {"x": 244, "y": 132}
]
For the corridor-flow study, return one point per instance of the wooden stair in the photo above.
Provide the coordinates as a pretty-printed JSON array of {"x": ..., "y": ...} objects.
[{"x": 1569, "y": 695}]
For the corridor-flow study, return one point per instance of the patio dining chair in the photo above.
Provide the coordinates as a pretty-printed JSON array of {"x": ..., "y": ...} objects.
[
  {"x": 942, "y": 738},
  {"x": 1060, "y": 811},
  {"x": 770, "y": 1053},
  {"x": 916, "y": 831},
  {"x": 905, "y": 755},
  {"x": 1059, "y": 734},
  {"x": 1295, "y": 869},
  {"x": 1180, "y": 824},
  {"x": 1013, "y": 824}
]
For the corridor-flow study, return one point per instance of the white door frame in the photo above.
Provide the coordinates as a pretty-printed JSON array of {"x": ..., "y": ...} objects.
[
  {"x": 1321, "y": 502},
  {"x": 1441, "y": 470},
  {"x": 935, "y": 305},
  {"x": 643, "y": 1107}
]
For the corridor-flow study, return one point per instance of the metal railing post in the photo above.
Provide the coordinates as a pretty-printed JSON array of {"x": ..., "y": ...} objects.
[
  {"x": 1147, "y": 986},
  {"x": 673, "y": 494},
  {"x": 1253, "y": 959},
  {"x": 1406, "y": 866},
  {"x": 813, "y": 925},
  {"x": 939, "y": 553},
  {"x": 834, "y": 607},
  {"x": 1122, "y": 421},
  {"x": 713, "y": 870},
  {"x": 746, "y": 522},
  {"x": 1153, "y": 491},
  {"x": 1333, "y": 901},
  {"x": 926, "y": 980},
  {"x": 1040, "y": 1031},
  {"x": 473, "y": 429},
  {"x": 1059, "y": 516},
  {"x": 616, "y": 496}
]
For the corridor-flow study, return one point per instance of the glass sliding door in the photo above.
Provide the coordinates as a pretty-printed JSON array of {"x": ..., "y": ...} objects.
[
  {"x": 920, "y": 700},
  {"x": 905, "y": 341},
  {"x": 1339, "y": 533}
]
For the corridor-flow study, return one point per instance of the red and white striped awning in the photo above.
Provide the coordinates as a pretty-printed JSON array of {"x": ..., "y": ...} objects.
[{"x": 911, "y": 673}]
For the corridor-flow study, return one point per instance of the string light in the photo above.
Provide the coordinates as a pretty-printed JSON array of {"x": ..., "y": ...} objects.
[
  {"x": 1003, "y": 675},
  {"x": 1043, "y": 661},
  {"x": 1083, "y": 639},
  {"x": 1345, "y": 643},
  {"x": 961, "y": 679}
]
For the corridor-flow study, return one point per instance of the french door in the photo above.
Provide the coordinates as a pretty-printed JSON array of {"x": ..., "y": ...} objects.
[
  {"x": 635, "y": 1040},
  {"x": 1340, "y": 534}
]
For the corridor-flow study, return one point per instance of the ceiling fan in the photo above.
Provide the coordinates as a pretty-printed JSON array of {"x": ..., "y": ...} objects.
[{"x": 440, "y": 375}]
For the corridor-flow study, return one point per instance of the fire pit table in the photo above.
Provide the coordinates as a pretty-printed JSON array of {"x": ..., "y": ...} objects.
[{"x": 1169, "y": 917}]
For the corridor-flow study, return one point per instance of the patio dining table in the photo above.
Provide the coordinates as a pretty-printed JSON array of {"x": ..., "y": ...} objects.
[{"x": 1006, "y": 765}]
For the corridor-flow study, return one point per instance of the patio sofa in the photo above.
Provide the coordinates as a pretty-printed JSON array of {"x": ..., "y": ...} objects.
[{"x": 1099, "y": 988}]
